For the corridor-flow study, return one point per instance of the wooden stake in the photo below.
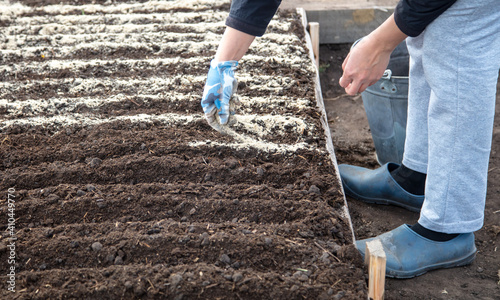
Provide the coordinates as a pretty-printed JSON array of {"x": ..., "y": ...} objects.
[
  {"x": 375, "y": 259},
  {"x": 314, "y": 32}
]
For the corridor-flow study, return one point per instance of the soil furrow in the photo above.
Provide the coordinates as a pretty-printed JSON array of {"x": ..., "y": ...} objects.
[
  {"x": 73, "y": 192},
  {"x": 53, "y": 29},
  {"x": 183, "y": 281},
  {"x": 148, "y": 202},
  {"x": 42, "y": 3},
  {"x": 137, "y": 168},
  {"x": 256, "y": 127},
  {"x": 145, "y": 68},
  {"x": 115, "y": 140},
  {"x": 119, "y": 104},
  {"x": 161, "y": 241},
  {"x": 123, "y": 19},
  {"x": 132, "y": 50},
  {"x": 69, "y": 84},
  {"x": 61, "y": 29},
  {"x": 105, "y": 8},
  {"x": 13, "y": 42}
]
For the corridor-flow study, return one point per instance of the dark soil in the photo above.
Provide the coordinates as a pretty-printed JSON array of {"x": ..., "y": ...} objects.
[
  {"x": 353, "y": 145},
  {"x": 128, "y": 210}
]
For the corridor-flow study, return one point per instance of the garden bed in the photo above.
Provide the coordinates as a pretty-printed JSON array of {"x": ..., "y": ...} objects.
[{"x": 122, "y": 189}]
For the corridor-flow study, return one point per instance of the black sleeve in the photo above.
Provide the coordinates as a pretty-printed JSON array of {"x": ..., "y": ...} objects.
[
  {"x": 413, "y": 16},
  {"x": 252, "y": 16}
]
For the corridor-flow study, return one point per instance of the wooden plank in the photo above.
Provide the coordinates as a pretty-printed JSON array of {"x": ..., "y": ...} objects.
[
  {"x": 344, "y": 21},
  {"x": 336, "y": 4},
  {"x": 324, "y": 122},
  {"x": 314, "y": 32},
  {"x": 376, "y": 260},
  {"x": 346, "y": 26}
]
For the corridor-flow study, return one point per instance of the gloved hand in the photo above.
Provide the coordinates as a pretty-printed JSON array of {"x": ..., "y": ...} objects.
[{"x": 218, "y": 101}]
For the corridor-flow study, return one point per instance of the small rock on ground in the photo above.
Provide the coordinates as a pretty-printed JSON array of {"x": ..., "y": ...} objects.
[
  {"x": 225, "y": 259},
  {"x": 97, "y": 246}
]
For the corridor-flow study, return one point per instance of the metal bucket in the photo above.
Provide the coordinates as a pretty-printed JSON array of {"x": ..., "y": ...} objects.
[{"x": 386, "y": 105}]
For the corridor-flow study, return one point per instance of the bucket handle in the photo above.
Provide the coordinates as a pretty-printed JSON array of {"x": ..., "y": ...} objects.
[
  {"x": 387, "y": 74},
  {"x": 387, "y": 85}
]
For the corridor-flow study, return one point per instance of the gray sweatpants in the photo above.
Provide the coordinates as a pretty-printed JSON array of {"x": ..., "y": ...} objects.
[{"x": 454, "y": 67}]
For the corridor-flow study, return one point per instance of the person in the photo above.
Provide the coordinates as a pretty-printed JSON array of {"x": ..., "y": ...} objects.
[
  {"x": 454, "y": 48},
  {"x": 247, "y": 19}
]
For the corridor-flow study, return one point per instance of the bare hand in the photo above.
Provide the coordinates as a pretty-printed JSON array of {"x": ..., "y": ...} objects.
[{"x": 364, "y": 66}]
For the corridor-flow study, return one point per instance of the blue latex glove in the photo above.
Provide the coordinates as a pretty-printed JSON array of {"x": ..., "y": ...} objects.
[{"x": 218, "y": 101}]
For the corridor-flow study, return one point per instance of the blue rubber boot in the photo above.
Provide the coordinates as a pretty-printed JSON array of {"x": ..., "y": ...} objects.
[
  {"x": 377, "y": 186},
  {"x": 409, "y": 254}
]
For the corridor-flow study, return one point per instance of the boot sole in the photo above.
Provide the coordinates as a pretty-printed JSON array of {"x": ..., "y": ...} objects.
[{"x": 410, "y": 274}]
